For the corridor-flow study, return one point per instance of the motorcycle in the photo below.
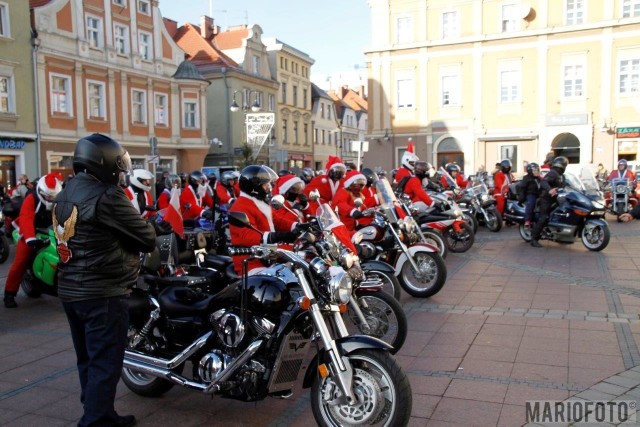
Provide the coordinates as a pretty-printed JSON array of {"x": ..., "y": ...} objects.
[
  {"x": 620, "y": 197},
  {"x": 418, "y": 266},
  {"x": 251, "y": 340},
  {"x": 578, "y": 214},
  {"x": 481, "y": 204},
  {"x": 449, "y": 198},
  {"x": 40, "y": 277}
]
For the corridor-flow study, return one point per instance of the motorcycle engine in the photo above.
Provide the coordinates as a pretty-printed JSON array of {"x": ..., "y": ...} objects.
[
  {"x": 229, "y": 327},
  {"x": 211, "y": 364}
]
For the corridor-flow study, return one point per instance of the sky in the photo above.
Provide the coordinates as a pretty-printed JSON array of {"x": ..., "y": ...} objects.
[{"x": 334, "y": 33}]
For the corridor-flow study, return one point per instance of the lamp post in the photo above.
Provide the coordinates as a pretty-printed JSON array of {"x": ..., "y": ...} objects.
[{"x": 255, "y": 107}]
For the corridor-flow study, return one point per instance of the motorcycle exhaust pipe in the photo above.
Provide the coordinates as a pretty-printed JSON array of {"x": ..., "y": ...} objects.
[
  {"x": 163, "y": 363},
  {"x": 233, "y": 366},
  {"x": 162, "y": 373}
]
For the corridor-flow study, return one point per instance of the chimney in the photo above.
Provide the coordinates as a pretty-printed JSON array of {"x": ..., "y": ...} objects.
[
  {"x": 361, "y": 92},
  {"x": 344, "y": 91},
  {"x": 206, "y": 27}
]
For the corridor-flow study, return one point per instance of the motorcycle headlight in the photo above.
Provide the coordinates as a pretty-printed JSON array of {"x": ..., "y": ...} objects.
[
  {"x": 621, "y": 189},
  {"x": 484, "y": 198},
  {"x": 347, "y": 258},
  {"x": 340, "y": 285}
]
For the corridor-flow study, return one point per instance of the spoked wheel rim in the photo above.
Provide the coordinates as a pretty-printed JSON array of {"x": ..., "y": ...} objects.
[
  {"x": 427, "y": 273},
  {"x": 380, "y": 318},
  {"x": 595, "y": 238},
  {"x": 462, "y": 241},
  {"x": 373, "y": 390}
]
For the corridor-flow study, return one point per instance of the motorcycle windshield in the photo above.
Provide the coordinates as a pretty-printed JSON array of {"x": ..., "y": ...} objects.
[
  {"x": 450, "y": 181},
  {"x": 329, "y": 221},
  {"x": 573, "y": 182},
  {"x": 386, "y": 197},
  {"x": 589, "y": 182}
]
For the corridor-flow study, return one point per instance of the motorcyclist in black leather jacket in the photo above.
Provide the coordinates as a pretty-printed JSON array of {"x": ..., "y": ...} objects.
[
  {"x": 552, "y": 181},
  {"x": 100, "y": 236}
]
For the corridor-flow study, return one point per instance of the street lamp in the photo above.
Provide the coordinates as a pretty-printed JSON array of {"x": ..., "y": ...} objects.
[
  {"x": 252, "y": 118},
  {"x": 255, "y": 107}
]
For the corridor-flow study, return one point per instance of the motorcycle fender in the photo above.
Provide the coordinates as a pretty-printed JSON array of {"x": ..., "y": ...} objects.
[
  {"x": 374, "y": 265},
  {"x": 412, "y": 250},
  {"x": 595, "y": 222},
  {"x": 346, "y": 345}
]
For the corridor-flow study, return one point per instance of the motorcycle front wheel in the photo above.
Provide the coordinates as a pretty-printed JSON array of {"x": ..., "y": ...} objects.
[
  {"x": 428, "y": 280},
  {"x": 595, "y": 239},
  {"x": 384, "y": 316},
  {"x": 28, "y": 286},
  {"x": 380, "y": 385},
  {"x": 434, "y": 238},
  {"x": 471, "y": 220},
  {"x": 494, "y": 222},
  {"x": 525, "y": 233},
  {"x": 459, "y": 242}
]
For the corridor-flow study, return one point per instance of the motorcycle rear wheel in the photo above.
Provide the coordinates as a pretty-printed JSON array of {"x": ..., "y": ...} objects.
[
  {"x": 494, "y": 223},
  {"x": 4, "y": 248},
  {"x": 382, "y": 387},
  {"x": 459, "y": 242},
  {"x": 433, "y": 274},
  {"x": 384, "y": 315},
  {"x": 597, "y": 239},
  {"x": 28, "y": 286},
  {"x": 435, "y": 238}
]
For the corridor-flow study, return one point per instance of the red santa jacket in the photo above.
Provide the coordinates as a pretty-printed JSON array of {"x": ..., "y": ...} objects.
[
  {"x": 164, "y": 199},
  {"x": 133, "y": 197},
  {"x": 413, "y": 188},
  {"x": 261, "y": 217},
  {"x": 616, "y": 175},
  {"x": 33, "y": 214},
  {"x": 402, "y": 172},
  {"x": 224, "y": 195},
  {"x": 289, "y": 214},
  {"x": 344, "y": 205},
  {"x": 501, "y": 183},
  {"x": 325, "y": 186},
  {"x": 460, "y": 181},
  {"x": 197, "y": 205},
  {"x": 370, "y": 196}
]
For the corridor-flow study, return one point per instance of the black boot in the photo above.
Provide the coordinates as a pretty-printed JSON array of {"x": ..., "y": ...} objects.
[
  {"x": 10, "y": 300},
  {"x": 536, "y": 244}
]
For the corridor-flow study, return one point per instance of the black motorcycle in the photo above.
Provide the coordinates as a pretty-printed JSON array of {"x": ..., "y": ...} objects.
[{"x": 251, "y": 340}]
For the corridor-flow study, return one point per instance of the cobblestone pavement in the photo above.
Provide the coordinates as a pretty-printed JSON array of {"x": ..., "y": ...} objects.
[{"x": 512, "y": 324}]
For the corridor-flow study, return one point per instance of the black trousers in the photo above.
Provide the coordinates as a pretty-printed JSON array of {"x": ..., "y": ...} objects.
[
  {"x": 544, "y": 208},
  {"x": 99, "y": 333}
]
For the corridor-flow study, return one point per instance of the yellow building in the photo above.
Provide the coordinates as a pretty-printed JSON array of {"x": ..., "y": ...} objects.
[{"x": 477, "y": 81}]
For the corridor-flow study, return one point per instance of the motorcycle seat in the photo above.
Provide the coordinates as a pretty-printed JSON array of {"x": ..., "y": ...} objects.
[
  {"x": 219, "y": 262},
  {"x": 172, "y": 281},
  {"x": 180, "y": 300}
]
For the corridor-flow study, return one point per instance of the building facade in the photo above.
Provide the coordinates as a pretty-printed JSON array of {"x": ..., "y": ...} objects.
[
  {"x": 326, "y": 141},
  {"x": 351, "y": 107},
  {"x": 18, "y": 136},
  {"x": 479, "y": 81},
  {"x": 107, "y": 66},
  {"x": 293, "y": 129}
]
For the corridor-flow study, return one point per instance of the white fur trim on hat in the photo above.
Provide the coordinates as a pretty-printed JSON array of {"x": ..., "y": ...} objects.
[
  {"x": 354, "y": 178},
  {"x": 286, "y": 186},
  {"x": 335, "y": 165}
]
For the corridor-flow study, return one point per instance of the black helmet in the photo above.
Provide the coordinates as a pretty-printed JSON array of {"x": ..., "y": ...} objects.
[
  {"x": 284, "y": 172},
  {"x": 560, "y": 163},
  {"x": 452, "y": 167},
  {"x": 196, "y": 178},
  {"x": 531, "y": 167},
  {"x": 307, "y": 175},
  {"x": 505, "y": 166},
  {"x": 622, "y": 162},
  {"x": 370, "y": 175},
  {"x": 253, "y": 177},
  {"x": 421, "y": 169},
  {"x": 212, "y": 178},
  {"x": 172, "y": 180},
  {"x": 101, "y": 157}
]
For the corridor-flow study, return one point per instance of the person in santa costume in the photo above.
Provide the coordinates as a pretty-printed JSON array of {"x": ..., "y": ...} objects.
[
  {"x": 194, "y": 198},
  {"x": 296, "y": 204},
  {"x": 34, "y": 213},
  {"x": 622, "y": 172},
  {"x": 409, "y": 160},
  {"x": 226, "y": 188},
  {"x": 414, "y": 189},
  {"x": 256, "y": 183},
  {"x": 346, "y": 204},
  {"x": 327, "y": 185},
  {"x": 139, "y": 191},
  {"x": 502, "y": 179},
  {"x": 456, "y": 174},
  {"x": 172, "y": 181},
  {"x": 370, "y": 196}
]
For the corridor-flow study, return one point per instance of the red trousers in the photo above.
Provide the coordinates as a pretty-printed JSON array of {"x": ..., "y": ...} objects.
[
  {"x": 500, "y": 203},
  {"x": 18, "y": 268}
]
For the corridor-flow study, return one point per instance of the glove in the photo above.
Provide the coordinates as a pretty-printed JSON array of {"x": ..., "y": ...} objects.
[
  {"x": 303, "y": 200},
  {"x": 356, "y": 215},
  {"x": 207, "y": 214},
  {"x": 38, "y": 244},
  {"x": 301, "y": 227},
  {"x": 162, "y": 228},
  {"x": 280, "y": 236}
]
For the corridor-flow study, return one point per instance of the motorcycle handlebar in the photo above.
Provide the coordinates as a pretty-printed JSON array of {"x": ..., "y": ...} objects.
[{"x": 237, "y": 250}]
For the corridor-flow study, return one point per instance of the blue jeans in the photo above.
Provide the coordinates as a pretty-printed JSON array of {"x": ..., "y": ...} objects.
[
  {"x": 530, "y": 206},
  {"x": 99, "y": 333}
]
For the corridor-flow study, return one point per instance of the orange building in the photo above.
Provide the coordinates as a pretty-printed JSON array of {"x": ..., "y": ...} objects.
[{"x": 110, "y": 66}]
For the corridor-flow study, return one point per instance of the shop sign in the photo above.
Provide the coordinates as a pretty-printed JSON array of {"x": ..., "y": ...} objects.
[
  {"x": 628, "y": 132},
  {"x": 567, "y": 119},
  {"x": 296, "y": 156},
  {"x": 11, "y": 144}
]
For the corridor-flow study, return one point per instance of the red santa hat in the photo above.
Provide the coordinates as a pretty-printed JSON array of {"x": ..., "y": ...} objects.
[
  {"x": 285, "y": 183},
  {"x": 333, "y": 162},
  {"x": 352, "y": 176}
]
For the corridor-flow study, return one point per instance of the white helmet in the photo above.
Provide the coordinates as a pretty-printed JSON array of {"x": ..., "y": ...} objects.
[
  {"x": 140, "y": 175},
  {"x": 48, "y": 188},
  {"x": 409, "y": 157}
]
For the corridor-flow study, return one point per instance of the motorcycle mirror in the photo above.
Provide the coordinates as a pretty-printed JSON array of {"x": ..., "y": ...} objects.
[
  {"x": 314, "y": 195},
  {"x": 277, "y": 201},
  {"x": 357, "y": 202},
  {"x": 239, "y": 219}
]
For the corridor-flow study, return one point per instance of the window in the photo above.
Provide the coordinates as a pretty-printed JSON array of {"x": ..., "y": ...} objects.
[
  {"x": 272, "y": 102},
  {"x": 160, "y": 107},
  {"x": 256, "y": 64},
  {"x": 629, "y": 76},
  {"x": 575, "y": 12},
  {"x": 121, "y": 39},
  {"x": 573, "y": 81},
  {"x": 321, "y": 110},
  {"x": 405, "y": 92},
  {"x": 6, "y": 91},
  {"x": 323, "y": 136},
  {"x": 404, "y": 30},
  {"x": 138, "y": 106},
  {"x": 329, "y": 112},
  {"x": 60, "y": 94},
  {"x": 630, "y": 8},
  {"x": 144, "y": 7},
  {"x": 96, "y": 103},
  {"x": 450, "y": 90},
  {"x": 284, "y": 93},
  {"x": 509, "y": 86},
  {"x": 145, "y": 45},
  {"x": 509, "y": 17},
  {"x": 295, "y": 133},
  {"x": 305, "y": 133},
  {"x": 315, "y": 135},
  {"x": 122, "y": 3},
  {"x": 190, "y": 117},
  {"x": 304, "y": 98},
  {"x": 284, "y": 132},
  {"x": 4, "y": 20},
  {"x": 449, "y": 25},
  {"x": 94, "y": 32},
  {"x": 295, "y": 96}
]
